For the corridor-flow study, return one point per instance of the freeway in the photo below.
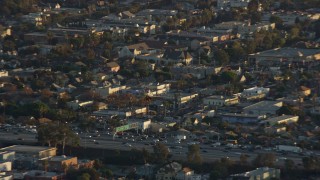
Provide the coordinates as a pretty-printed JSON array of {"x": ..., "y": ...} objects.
[{"x": 178, "y": 151}]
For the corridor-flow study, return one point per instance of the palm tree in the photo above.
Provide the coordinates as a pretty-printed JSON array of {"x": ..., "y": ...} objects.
[{"x": 45, "y": 164}]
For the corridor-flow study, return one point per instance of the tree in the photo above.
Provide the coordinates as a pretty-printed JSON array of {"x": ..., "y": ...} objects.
[
  {"x": 107, "y": 173},
  {"x": 310, "y": 163},
  {"x": 220, "y": 169},
  {"x": 236, "y": 52},
  {"x": 45, "y": 164},
  {"x": 206, "y": 16},
  {"x": 146, "y": 155},
  {"x": 27, "y": 90},
  {"x": 289, "y": 110},
  {"x": 91, "y": 54},
  {"x": 161, "y": 152},
  {"x": 46, "y": 93},
  {"x": 243, "y": 159},
  {"x": 289, "y": 164},
  {"x": 193, "y": 154},
  {"x": 9, "y": 45},
  {"x": 267, "y": 159},
  {"x": 84, "y": 176},
  {"x": 57, "y": 133},
  {"x": 64, "y": 167},
  {"x": 253, "y": 6},
  {"x": 251, "y": 46},
  {"x": 294, "y": 32},
  {"x": 277, "y": 20},
  {"x": 222, "y": 57},
  {"x": 228, "y": 77},
  {"x": 267, "y": 42}
]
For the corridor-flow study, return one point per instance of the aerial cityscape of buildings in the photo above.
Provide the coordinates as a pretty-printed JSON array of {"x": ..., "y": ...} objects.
[{"x": 159, "y": 89}]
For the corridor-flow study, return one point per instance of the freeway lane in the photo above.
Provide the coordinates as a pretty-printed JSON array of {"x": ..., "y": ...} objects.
[{"x": 107, "y": 142}]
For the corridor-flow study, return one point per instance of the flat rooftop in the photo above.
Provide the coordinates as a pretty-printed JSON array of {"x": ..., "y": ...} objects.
[
  {"x": 265, "y": 105},
  {"x": 288, "y": 52},
  {"x": 26, "y": 148},
  {"x": 61, "y": 158}
]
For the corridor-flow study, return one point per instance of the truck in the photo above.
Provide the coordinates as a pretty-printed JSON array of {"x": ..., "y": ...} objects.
[
  {"x": 287, "y": 148},
  {"x": 180, "y": 137}
]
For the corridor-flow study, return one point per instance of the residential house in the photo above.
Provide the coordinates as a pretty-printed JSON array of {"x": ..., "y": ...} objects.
[
  {"x": 168, "y": 171},
  {"x": 263, "y": 108},
  {"x": 275, "y": 129},
  {"x": 240, "y": 118},
  {"x": 34, "y": 18},
  {"x": 217, "y": 34},
  {"x": 5, "y": 32},
  {"x": 263, "y": 173},
  {"x": 7, "y": 155},
  {"x": 304, "y": 91},
  {"x": 126, "y": 14},
  {"x": 217, "y": 100},
  {"x": 199, "y": 72},
  {"x": 5, "y": 166},
  {"x": 113, "y": 67},
  {"x": 6, "y": 176},
  {"x": 76, "y": 104},
  {"x": 155, "y": 89},
  {"x": 124, "y": 52},
  {"x": 254, "y": 93},
  {"x": 171, "y": 56},
  {"x": 184, "y": 98},
  {"x": 315, "y": 110},
  {"x": 225, "y": 4},
  {"x": 185, "y": 174},
  {"x": 107, "y": 90},
  {"x": 284, "y": 119},
  {"x": 147, "y": 50},
  {"x": 289, "y": 18},
  {"x": 4, "y": 73},
  {"x": 161, "y": 13}
]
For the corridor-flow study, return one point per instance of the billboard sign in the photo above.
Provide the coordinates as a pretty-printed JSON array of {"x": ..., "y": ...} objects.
[{"x": 126, "y": 127}]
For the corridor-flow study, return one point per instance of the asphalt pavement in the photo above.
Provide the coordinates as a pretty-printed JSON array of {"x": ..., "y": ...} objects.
[{"x": 178, "y": 151}]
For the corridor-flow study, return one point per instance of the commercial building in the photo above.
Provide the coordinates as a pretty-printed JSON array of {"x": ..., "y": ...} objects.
[
  {"x": 285, "y": 55},
  {"x": 220, "y": 100},
  {"x": 284, "y": 119},
  {"x": 263, "y": 108},
  {"x": 32, "y": 151},
  {"x": 240, "y": 118},
  {"x": 59, "y": 163}
]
